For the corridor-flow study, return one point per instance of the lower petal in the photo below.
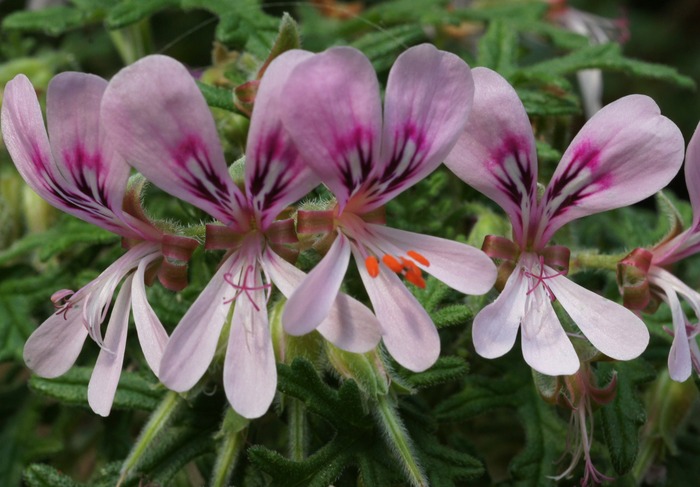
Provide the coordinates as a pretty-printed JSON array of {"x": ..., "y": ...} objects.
[
  {"x": 312, "y": 299},
  {"x": 679, "y": 359},
  {"x": 108, "y": 369},
  {"x": 408, "y": 331},
  {"x": 614, "y": 330},
  {"x": 460, "y": 266},
  {"x": 250, "y": 372},
  {"x": 193, "y": 343},
  {"x": 350, "y": 325},
  {"x": 54, "y": 347},
  {"x": 496, "y": 326},
  {"x": 152, "y": 335},
  {"x": 546, "y": 348}
]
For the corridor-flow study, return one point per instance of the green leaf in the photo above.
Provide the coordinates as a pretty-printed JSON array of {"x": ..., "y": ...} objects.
[
  {"x": 446, "y": 369},
  {"x": 545, "y": 435},
  {"x": 40, "y": 475},
  {"x": 479, "y": 394},
  {"x": 218, "y": 97},
  {"x": 456, "y": 314},
  {"x": 384, "y": 45},
  {"x": 498, "y": 47},
  {"x": 52, "y": 20},
  {"x": 131, "y": 11},
  {"x": 622, "y": 417},
  {"x": 15, "y": 326},
  {"x": 549, "y": 103},
  {"x": 133, "y": 392}
]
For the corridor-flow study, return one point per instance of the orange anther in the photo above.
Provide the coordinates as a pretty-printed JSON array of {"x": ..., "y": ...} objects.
[
  {"x": 416, "y": 279},
  {"x": 393, "y": 264},
  {"x": 418, "y": 258},
  {"x": 372, "y": 265}
]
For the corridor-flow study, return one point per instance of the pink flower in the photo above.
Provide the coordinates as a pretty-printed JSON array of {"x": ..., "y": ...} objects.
[
  {"x": 684, "y": 354},
  {"x": 167, "y": 132},
  {"x": 333, "y": 112},
  {"x": 77, "y": 169},
  {"x": 625, "y": 153}
]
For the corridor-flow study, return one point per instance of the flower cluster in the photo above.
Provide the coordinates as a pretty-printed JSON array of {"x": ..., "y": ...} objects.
[{"x": 318, "y": 119}]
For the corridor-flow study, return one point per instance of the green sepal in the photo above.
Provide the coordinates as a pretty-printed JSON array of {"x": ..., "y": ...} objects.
[{"x": 133, "y": 391}]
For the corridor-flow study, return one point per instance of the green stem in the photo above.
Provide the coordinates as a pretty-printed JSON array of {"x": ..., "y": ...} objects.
[
  {"x": 591, "y": 260},
  {"x": 297, "y": 430},
  {"x": 160, "y": 417},
  {"x": 132, "y": 42},
  {"x": 399, "y": 441},
  {"x": 233, "y": 436}
]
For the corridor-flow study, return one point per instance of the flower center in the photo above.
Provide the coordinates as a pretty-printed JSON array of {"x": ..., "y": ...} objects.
[
  {"x": 244, "y": 287},
  {"x": 540, "y": 279},
  {"x": 404, "y": 266}
]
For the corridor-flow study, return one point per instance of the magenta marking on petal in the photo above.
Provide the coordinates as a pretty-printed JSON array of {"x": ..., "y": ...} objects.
[
  {"x": 199, "y": 175},
  {"x": 516, "y": 181},
  {"x": 564, "y": 187},
  {"x": 273, "y": 170},
  {"x": 355, "y": 155}
]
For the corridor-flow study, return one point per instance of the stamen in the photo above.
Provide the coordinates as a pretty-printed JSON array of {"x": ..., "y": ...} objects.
[
  {"x": 418, "y": 258},
  {"x": 372, "y": 265},
  {"x": 393, "y": 264},
  {"x": 244, "y": 288},
  {"x": 61, "y": 301}
]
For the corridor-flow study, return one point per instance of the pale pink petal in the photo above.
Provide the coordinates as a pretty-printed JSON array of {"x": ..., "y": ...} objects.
[
  {"x": 193, "y": 343},
  {"x": 350, "y": 325},
  {"x": 250, "y": 373},
  {"x": 460, "y": 266},
  {"x": 75, "y": 191},
  {"x": 546, "y": 348},
  {"x": 79, "y": 146},
  {"x": 612, "y": 163},
  {"x": 679, "y": 358},
  {"x": 54, "y": 347},
  {"x": 311, "y": 301},
  {"x": 692, "y": 176},
  {"x": 276, "y": 175},
  {"x": 409, "y": 333},
  {"x": 332, "y": 110},
  {"x": 614, "y": 330},
  {"x": 496, "y": 152},
  {"x": 108, "y": 368},
  {"x": 496, "y": 326},
  {"x": 152, "y": 336},
  {"x": 160, "y": 123},
  {"x": 428, "y": 97}
]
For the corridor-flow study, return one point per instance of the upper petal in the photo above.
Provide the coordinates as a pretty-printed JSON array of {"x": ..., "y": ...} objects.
[
  {"x": 161, "y": 124},
  {"x": 496, "y": 325},
  {"x": 85, "y": 179},
  {"x": 275, "y": 173},
  {"x": 460, "y": 266},
  {"x": 546, "y": 348},
  {"x": 496, "y": 152},
  {"x": 625, "y": 153},
  {"x": 350, "y": 325},
  {"x": 614, "y": 330},
  {"x": 332, "y": 110},
  {"x": 409, "y": 333},
  {"x": 692, "y": 175},
  {"x": 428, "y": 97},
  {"x": 250, "y": 373}
]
